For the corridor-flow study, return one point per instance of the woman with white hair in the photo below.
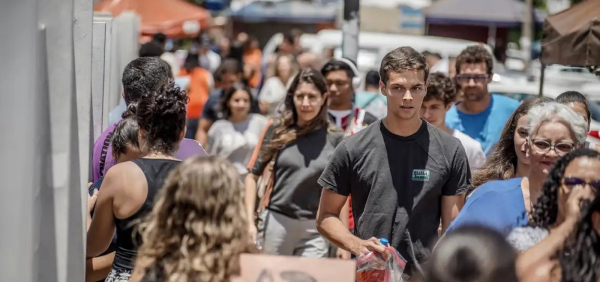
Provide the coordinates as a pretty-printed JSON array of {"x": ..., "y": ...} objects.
[{"x": 554, "y": 131}]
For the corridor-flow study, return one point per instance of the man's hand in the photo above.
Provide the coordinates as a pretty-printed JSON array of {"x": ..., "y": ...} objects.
[{"x": 364, "y": 247}]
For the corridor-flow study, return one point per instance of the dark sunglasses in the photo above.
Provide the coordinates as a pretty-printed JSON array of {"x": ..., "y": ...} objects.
[
  {"x": 576, "y": 181},
  {"x": 465, "y": 78}
]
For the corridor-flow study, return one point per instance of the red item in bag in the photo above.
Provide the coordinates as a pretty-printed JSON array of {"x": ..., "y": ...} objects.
[{"x": 375, "y": 267}]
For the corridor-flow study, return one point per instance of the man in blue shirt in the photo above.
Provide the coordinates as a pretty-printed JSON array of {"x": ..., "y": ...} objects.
[
  {"x": 480, "y": 115},
  {"x": 371, "y": 99}
]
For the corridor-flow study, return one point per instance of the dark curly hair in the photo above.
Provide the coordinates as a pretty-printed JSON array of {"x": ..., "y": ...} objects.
[
  {"x": 473, "y": 55},
  {"x": 223, "y": 107},
  {"x": 125, "y": 135},
  {"x": 545, "y": 211},
  {"x": 501, "y": 164},
  {"x": 162, "y": 116},
  {"x": 580, "y": 260},
  {"x": 440, "y": 87},
  {"x": 143, "y": 75}
]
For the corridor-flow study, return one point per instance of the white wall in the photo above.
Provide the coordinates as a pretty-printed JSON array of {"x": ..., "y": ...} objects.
[{"x": 46, "y": 126}]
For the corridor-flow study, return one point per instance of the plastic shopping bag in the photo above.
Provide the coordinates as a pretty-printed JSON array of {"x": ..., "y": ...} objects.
[{"x": 376, "y": 267}]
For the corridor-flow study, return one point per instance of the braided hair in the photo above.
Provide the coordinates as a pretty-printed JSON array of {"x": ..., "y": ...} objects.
[
  {"x": 545, "y": 211},
  {"x": 580, "y": 260}
]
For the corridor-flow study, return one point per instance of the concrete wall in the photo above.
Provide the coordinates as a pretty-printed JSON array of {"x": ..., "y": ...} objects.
[{"x": 46, "y": 121}]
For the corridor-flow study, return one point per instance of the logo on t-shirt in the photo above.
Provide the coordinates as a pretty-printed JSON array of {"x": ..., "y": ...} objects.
[{"x": 420, "y": 175}]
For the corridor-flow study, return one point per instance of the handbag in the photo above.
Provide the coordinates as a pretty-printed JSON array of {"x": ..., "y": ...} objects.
[{"x": 264, "y": 187}]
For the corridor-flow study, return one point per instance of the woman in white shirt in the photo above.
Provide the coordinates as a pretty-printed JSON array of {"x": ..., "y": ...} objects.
[
  {"x": 274, "y": 90},
  {"x": 235, "y": 135}
]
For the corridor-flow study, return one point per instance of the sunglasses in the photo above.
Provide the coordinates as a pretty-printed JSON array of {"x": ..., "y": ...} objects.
[
  {"x": 572, "y": 182},
  {"x": 465, "y": 78}
]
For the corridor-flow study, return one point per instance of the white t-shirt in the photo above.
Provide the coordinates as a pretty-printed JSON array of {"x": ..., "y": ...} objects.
[
  {"x": 473, "y": 149},
  {"x": 273, "y": 92},
  {"x": 236, "y": 141}
]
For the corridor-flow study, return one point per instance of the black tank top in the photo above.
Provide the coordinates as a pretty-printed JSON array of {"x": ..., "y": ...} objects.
[{"x": 156, "y": 171}]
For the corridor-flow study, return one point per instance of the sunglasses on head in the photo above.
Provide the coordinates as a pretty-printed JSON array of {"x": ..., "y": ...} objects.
[{"x": 576, "y": 181}]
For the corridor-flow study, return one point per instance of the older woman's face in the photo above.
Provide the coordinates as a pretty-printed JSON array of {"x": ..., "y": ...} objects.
[
  {"x": 581, "y": 173},
  {"x": 551, "y": 141},
  {"x": 520, "y": 140}
]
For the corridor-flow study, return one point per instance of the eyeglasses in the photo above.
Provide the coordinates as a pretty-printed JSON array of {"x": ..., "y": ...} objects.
[
  {"x": 576, "y": 181},
  {"x": 544, "y": 147},
  {"x": 465, "y": 78}
]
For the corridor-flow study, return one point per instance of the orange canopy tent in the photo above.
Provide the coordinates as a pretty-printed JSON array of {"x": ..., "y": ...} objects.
[{"x": 166, "y": 16}]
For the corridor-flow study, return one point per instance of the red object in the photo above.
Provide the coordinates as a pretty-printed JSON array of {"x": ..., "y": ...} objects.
[
  {"x": 594, "y": 133},
  {"x": 166, "y": 16},
  {"x": 373, "y": 267}
]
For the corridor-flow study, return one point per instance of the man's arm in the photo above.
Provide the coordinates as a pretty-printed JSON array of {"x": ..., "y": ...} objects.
[
  {"x": 206, "y": 119},
  {"x": 332, "y": 228},
  {"x": 202, "y": 132},
  {"x": 451, "y": 205},
  {"x": 453, "y": 193},
  {"x": 335, "y": 181}
]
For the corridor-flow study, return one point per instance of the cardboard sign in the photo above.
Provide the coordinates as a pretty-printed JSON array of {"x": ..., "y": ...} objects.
[{"x": 266, "y": 268}]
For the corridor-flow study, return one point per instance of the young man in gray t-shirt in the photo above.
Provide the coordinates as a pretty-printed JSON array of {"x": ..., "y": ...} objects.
[{"x": 404, "y": 174}]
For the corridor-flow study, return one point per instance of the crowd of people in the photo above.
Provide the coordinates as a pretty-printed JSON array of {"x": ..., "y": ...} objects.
[{"x": 218, "y": 155}]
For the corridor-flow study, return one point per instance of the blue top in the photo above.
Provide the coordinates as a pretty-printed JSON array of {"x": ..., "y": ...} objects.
[
  {"x": 485, "y": 127},
  {"x": 373, "y": 102},
  {"x": 497, "y": 204}
]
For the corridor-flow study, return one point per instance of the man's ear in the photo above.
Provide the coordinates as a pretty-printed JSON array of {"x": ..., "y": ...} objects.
[
  {"x": 382, "y": 87},
  {"x": 448, "y": 106}
]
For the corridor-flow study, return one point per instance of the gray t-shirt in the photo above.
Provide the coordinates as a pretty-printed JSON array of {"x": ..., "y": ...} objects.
[
  {"x": 299, "y": 164},
  {"x": 236, "y": 141},
  {"x": 397, "y": 183}
]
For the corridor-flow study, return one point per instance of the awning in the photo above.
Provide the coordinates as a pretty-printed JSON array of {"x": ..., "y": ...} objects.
[
  {"x": 175, "y": 18},
  {"x": 572, "y": 37},
  {"x": 286, "y": 11},
  {"x": 499, "y": 13}
]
